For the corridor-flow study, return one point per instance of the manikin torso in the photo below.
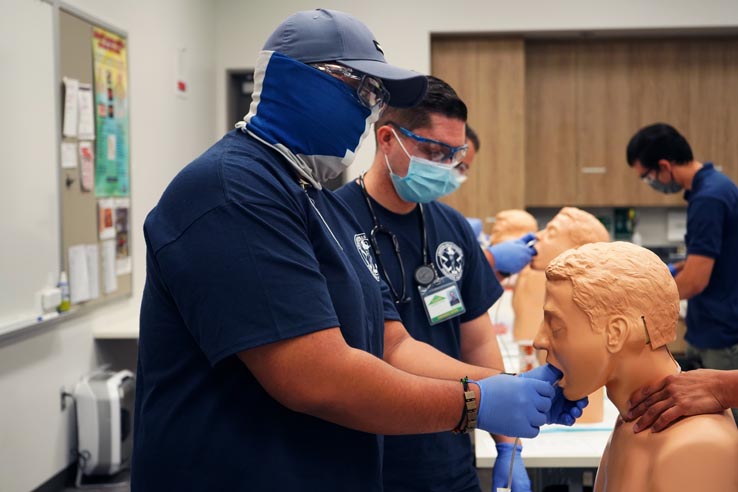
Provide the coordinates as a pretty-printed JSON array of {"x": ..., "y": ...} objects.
[
  {"x": 698, "y": 453},
  {"x": 610, "y": 310}
]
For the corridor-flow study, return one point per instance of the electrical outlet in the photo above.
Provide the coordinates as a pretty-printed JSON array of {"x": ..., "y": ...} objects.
[{"x": 63, "y": 396}]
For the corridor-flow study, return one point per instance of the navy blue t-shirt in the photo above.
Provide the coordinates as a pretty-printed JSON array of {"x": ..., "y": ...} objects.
[
  {"x": 712, "y": 231},
  {"x": 239, "y": 257},
  {"x": 439, "y": 461}
]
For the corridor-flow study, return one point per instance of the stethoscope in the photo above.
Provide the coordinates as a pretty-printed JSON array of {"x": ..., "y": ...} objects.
[{"x": 424, "y": 275}]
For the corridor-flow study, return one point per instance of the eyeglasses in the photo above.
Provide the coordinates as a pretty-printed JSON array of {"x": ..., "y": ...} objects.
[
  {"x": 436, "y": 151},
  {"x": 646, "y": 178},
  {"x": 369, "y": 90}
]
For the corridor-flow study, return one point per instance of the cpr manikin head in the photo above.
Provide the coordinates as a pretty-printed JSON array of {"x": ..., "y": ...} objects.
[
  {"x": 570, "y": 228},
  {"x": 605, "y": 302},
  {"x": 512, "y": 224}
]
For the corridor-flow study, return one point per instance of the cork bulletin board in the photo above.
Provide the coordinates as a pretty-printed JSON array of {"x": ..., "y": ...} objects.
[
  {"x": 95, "y": 193},
  {"x": 65, "y": 194}
]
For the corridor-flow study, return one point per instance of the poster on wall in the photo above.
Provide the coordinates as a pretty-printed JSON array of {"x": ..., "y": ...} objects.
[
  {"x": 111, "y": 113},
  {"x": 122, "y": 249},
  {"x": 106, "y": 218}
]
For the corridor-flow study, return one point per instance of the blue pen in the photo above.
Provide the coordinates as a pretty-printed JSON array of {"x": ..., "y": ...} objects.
[{"x": 47, "y": 316}]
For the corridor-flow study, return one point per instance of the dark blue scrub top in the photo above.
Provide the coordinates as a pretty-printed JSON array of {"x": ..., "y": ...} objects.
[
  {"x": 439, "y": 461},
  {"x": 237, "y": 257},
  {"x": 712, "y": 231}
]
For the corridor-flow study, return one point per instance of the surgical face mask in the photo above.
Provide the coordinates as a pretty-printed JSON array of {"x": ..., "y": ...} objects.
[
  {"x": 668, "y": 188},
  {"x": 313, "y": 119},
  {"x": 425, "y": 180}
]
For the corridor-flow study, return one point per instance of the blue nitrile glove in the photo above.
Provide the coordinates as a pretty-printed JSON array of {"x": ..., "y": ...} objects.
[
  {"x": 500, "y": 473},
  {"x": 513, "y": 406},
  {"x": 563, "y": 411},
  {"x": 476, "y": 225},
  {"x": 672, "y": 269},
  {"x": 513, "y": 255}
]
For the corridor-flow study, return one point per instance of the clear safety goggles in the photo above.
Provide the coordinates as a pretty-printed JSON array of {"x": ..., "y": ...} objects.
[
  {"x": 647, "y": 178},
  {"x": 369, "y": 90},
  {"x": 436, "y": 151}
]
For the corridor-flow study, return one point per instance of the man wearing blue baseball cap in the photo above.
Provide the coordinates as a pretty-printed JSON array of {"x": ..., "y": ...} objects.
[{"x": 262, "y": 360}]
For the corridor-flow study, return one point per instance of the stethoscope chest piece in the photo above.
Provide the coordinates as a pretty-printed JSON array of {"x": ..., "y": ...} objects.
[{"x": 425, "y": 275}]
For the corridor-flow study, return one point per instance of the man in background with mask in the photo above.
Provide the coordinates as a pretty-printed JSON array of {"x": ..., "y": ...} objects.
[
  {"x": 708, "y": 278},
  {"x": 439, "y": 278},
  {"x": 262, "y": 332}
]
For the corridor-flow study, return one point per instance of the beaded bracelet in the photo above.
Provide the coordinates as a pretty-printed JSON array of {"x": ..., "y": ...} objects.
[{"x": 469, "y": 413}]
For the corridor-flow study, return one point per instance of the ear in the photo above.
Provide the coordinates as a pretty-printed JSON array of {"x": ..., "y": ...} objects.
[
  {"x": 664, "y": 165},
  {"x": 385, "y": 138},
  {"x": 616, "y": 333}
]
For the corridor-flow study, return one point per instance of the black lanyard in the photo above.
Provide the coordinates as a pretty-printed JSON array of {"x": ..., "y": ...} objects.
[{"x": 425, "y": 274}]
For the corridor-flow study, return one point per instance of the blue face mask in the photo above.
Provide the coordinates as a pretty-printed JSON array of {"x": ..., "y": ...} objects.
[
  {"x": 314, "y": 120},
  {"x": 668, "y": 188},
  {"x": 425, "y": 180}
]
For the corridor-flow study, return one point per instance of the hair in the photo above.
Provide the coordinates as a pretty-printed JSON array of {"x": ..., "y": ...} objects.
[
  {"x": 440, "y": 98},
  {"x": 655, "y": 142},
  {"x": 585, "y": 227},
  {"x": 472, "y": 136},
  {"x": 621, "y": 278}
]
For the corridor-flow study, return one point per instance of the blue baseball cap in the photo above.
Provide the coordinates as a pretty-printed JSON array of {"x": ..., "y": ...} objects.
[{"x": 323, "y": 35}]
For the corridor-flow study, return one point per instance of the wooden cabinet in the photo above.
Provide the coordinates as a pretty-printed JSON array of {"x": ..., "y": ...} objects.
[
  {"x": 488, "y": 75},
  {"x": 551, "y": 127},
  {"x": 562, "y": 133}
]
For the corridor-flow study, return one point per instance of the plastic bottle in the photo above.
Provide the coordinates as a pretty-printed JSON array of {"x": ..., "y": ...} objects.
[{"x": 64, "y": 287}]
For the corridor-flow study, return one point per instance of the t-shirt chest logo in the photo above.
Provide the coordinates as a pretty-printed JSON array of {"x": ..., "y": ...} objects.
[
  {"x": 450, "y": 260},
  {"x": 365, "y": 251}
]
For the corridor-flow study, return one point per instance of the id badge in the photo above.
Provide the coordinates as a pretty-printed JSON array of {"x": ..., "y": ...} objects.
[{"x": 441, "y": 300}]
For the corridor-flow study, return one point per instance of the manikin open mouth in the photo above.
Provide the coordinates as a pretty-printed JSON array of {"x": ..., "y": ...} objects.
[{"x": 558, "y": 381}]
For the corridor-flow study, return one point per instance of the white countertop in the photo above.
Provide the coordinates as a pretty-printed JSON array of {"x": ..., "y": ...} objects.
[{"x": 578, "y": 446}]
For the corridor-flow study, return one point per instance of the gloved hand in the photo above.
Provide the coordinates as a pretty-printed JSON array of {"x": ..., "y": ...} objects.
[
  {"x": 513, "y": 255},
  {"x": 672, "y": 269},
  {"x": 501, "y": 470},
  {"x": 562, "y": 411},
  {"x": 476, "y": 225},
  {"x": 513, "y": 406}
]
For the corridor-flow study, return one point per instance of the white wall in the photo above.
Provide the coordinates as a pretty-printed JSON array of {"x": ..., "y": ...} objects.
[
  {"x": 403, "y": 28},
  {"x": 166, "y": 133}
]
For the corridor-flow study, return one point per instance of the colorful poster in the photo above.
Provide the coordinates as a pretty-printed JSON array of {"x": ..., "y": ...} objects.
[{"x": 111, "y": 114}]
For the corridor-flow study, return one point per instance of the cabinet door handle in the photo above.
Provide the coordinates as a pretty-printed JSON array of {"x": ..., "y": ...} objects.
[{"x": 594, "y": 170}]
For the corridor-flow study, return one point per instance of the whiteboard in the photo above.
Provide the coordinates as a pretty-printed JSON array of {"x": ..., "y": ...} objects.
[{"x": 29, "y": 194}]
